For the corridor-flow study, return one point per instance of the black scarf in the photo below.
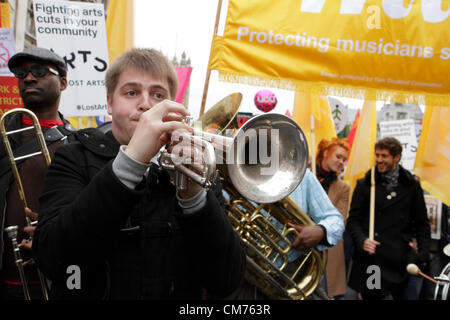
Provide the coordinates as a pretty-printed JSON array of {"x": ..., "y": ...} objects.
[
  {"x": 389, "y": 180},
  {"x": 325, "y": 178}
]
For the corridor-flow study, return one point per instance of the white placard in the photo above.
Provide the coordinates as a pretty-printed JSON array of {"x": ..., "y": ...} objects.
[
  {"x": 339, "y": 114},
  {"x": 7, "y": 50},
  {"x": 405, "y": 132},
  {"x": 434, "y": 210},
  {"x": 76, "y": 31}
]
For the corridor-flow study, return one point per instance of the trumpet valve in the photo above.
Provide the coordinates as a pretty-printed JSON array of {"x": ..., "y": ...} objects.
[
  {"x": 189, "y": 120},
  {"x": 12, "y": 232}
]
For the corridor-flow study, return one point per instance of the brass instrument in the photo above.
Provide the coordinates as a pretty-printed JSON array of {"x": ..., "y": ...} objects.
[
  {"x": 265, "y": 159},
  {"x": 261, "y": 222},
  {"x": 12, "y": 231},
  {"x": 264, "y": 231}
]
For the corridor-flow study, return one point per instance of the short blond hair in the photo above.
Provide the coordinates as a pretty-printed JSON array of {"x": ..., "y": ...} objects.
[{"x": 146, "y": 60}]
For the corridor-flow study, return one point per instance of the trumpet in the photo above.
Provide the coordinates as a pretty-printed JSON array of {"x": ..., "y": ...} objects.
[
  {"x": 264, "y": 159},
  {"x": 12, "y": 231}
]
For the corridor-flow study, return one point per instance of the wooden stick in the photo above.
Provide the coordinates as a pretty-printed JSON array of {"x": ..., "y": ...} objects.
[
  {"x": 208, "y": 71},
  {"x": 414, "y": 269},
  {"x": 420, "y": 273},
  {"x": 372, "y": 204},
  {"x": 313, "y": 145}
]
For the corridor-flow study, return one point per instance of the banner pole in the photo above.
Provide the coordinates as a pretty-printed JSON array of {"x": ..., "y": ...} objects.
[
  {"x": 313, "y": 145},
  {"x": 208, "y": 71},
  {"x": 372, "y": 204}
]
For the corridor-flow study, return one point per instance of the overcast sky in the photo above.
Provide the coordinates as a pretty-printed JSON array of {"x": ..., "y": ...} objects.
[{"x": 177, "y": 26}]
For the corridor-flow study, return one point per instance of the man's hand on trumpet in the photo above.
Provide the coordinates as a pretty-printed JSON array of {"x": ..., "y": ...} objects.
[
  {"x": 158, "y": 126},
  {"x": 189, "y": 156},
  {"x": 29, "y": 229},
  {"x": 154, "y": 128}
]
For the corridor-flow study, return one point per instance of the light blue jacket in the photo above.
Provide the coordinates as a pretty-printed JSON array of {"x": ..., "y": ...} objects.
[{"x": 312, "y": 199}]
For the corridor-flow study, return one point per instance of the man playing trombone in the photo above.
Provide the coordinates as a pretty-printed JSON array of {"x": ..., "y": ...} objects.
[
  {"x": 110, "y": 212},
  {"x": 41, "y": 79}
]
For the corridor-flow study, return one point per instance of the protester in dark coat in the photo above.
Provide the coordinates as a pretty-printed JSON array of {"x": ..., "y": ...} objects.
[{"x": 400, "y": 215}]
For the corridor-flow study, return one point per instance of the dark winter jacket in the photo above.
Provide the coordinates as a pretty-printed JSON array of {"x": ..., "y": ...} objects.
[
  {"x": 398, "y": 219},
  {"x": 129, "y": 244}
]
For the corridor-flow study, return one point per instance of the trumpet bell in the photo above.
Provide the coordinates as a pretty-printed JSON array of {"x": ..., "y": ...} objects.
[{"x": 269, "y": 157}]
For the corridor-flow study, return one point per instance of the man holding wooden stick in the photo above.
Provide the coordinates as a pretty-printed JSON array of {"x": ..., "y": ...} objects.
[{"x": 383, "y": 228}]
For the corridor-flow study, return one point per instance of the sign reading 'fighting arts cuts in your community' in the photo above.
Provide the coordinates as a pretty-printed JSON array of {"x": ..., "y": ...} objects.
[{"x": 76, "y": 31}]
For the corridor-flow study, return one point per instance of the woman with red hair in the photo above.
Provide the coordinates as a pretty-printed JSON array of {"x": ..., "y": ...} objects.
[{"x": 330, "y": 162}]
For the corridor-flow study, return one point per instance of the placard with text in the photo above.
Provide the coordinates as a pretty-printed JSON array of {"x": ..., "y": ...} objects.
[{"x": 76, "y": 31}]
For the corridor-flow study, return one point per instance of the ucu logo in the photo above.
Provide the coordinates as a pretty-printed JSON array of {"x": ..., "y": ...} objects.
[
  {"x": 431, "y": 9},
  {"x": 266, "y": 99}
]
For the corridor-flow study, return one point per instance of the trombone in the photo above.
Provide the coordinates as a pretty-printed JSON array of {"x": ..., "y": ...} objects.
[{"x": 12, "y": 231}]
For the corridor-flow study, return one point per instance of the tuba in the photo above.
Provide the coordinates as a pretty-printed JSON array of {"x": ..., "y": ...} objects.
[
  {"x": 258, "y": 204},
  {"x": 12, "y": 231}
]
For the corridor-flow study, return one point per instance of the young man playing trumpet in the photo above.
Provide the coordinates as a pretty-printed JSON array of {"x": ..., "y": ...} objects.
[{"x": 110, "y": 211}]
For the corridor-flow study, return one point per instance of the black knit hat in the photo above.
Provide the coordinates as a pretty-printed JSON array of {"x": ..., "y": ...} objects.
[{"x": 39, "y": 54}]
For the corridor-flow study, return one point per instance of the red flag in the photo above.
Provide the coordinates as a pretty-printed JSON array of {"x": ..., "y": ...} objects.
[
  {"x": 288, "y": 114},
  {"x": 184, "y": 75},
  {"x": 352, "y": 133}
]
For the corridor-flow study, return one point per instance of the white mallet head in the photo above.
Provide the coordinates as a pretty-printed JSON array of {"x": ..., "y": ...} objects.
[
  {"x": 412, "y": 269},
  {"x": 447, "y": 250}
]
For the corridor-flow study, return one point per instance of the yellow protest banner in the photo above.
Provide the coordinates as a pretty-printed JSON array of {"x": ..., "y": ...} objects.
[
  {"x": 120, "y": 27},
  {"x": 307, "y": 105},
  {"x": 432, "y": 163},
  {"x": 5, "y": 15},
  {"x": 366, "y": 49},
  {"x": 362, "y": 154}
]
